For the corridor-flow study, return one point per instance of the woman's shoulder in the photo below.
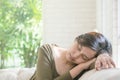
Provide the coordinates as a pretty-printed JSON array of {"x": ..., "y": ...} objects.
[
  {"x": 45, "y": 45},
  {"x": 48, "y": 45},
  {"x": 47, "y": 51},
  {"x": 47, "y": 48}
]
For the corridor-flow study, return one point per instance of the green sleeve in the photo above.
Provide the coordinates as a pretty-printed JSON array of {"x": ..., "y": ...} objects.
[
  {"x": 44, "y": 68},
  {"x": 65, "y": 76}
]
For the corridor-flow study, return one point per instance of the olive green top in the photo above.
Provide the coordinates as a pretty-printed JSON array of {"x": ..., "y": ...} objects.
[{"x": 46, "y": 66}]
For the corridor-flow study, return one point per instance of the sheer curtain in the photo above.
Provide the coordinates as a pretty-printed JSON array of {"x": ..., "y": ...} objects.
[
  {"x": 108, "y": 18},
  {"x": 118, "y": 23}
]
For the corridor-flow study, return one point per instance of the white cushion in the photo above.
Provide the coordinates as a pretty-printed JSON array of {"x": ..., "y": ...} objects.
[
  {"x": 8, "y": 74},
  {"x": 26, "y": 73},
  {"x": 105, "y": 74},
  {"x": 16, "y": 73}
]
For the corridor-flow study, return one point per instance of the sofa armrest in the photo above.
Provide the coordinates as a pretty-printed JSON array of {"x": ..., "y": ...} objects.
[
  {"x": 16, "y": 73},
  {"x": 105, "y": 74}
]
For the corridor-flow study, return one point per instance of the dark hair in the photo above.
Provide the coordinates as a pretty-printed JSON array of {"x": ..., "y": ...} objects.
[{"x": 96, "y": 41}]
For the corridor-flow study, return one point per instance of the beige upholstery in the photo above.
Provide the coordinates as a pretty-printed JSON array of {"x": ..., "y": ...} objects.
[
  {"x": 106, "y": 74},
  {"x": 16, "y": 73},
  {"x": 26, "y": 73}
]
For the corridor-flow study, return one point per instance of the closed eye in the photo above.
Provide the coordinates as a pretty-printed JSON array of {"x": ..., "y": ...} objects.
[{"x": 85, "y": 57}]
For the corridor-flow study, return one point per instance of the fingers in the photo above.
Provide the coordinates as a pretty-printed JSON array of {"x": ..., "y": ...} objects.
[
  {"x": 104, "y": 62},
  {"x": 101, "y": 64},
  {"x": 112, "y": 63},
  {"x": 97, "y": 65},
  {"x": 107, "y": 63}
]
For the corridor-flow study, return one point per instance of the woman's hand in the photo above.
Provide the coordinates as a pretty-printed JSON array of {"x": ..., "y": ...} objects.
[{"x": 104, "y": 61}]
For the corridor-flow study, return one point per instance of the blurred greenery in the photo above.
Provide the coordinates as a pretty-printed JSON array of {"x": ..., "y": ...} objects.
[{"x": 20, "y": 32}]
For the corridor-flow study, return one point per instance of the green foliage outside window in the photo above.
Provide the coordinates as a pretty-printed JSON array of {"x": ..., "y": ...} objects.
[{"x": 20, "y": 32}]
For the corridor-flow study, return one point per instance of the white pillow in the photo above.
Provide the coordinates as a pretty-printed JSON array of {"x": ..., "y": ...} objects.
[
  {"x": 25, "y": 73},
  {"x": 16, "y": 73},
  {"x": 8, "y": 74}
]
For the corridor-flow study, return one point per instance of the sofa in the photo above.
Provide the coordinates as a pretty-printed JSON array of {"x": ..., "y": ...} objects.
[
  {"x": 26, "y": 73},
  {"x": 105, "y": 74},
  {"x": 16, "y": 73}
]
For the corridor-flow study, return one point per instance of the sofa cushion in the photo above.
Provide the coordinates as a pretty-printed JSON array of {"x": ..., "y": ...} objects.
[
  {"x": 16, "y": 73},
  {"x": 25, "y": 74},
  {"x": 8, "y": 74},
  {"x": 105, "y": 74}
]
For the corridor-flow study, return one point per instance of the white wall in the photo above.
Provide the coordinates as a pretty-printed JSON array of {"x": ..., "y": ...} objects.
[{"x": 63, "y": 20}]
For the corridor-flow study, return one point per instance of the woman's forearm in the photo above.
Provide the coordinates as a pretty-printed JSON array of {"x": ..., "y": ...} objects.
[
  {"x": 76, "y": 70},
  {"x": 80, "y": 67}
]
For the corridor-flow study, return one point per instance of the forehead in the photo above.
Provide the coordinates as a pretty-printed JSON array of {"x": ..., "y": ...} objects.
[{"x": 86, "y": 50}]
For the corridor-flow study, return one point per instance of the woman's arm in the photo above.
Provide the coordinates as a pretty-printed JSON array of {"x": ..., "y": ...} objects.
[
  {"x": 79, "y": 68},
  {"x": 104, "y": 61},
  {"x": 43, "y": 71}
]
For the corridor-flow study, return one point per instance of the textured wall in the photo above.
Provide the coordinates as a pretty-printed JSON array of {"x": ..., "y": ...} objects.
[{"x": 63, "y": 20}]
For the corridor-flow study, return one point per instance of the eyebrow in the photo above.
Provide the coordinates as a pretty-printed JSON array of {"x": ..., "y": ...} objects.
[{"x": 85, "y": 56}]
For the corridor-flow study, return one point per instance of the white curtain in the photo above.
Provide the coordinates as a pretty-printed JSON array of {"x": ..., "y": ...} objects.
[{"x": 108, "y": 23}]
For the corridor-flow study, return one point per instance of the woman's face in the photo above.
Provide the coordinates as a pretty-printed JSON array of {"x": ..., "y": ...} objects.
[{"x": 78, "y": 54}]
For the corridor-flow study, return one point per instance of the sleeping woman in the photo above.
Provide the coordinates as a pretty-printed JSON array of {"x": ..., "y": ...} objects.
[{"x": 57, "y": 63}]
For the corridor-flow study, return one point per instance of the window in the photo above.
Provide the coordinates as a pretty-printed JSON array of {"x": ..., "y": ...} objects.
[{"x": 20, "y": 32}]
